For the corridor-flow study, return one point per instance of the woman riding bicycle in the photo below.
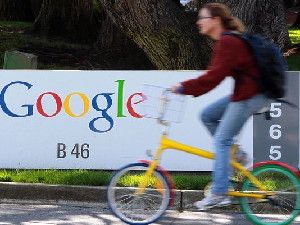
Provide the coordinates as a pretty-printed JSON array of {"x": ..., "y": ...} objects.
[{"x": 225, "y": 117}]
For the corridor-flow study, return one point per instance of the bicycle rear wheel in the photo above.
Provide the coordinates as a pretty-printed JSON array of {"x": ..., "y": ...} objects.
[
  {"x": 280, "y": 208},
  {"x": 134, "y": 208}
]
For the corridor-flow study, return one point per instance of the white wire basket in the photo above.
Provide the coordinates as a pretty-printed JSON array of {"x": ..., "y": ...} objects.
[{"x": 152, "y": 106}]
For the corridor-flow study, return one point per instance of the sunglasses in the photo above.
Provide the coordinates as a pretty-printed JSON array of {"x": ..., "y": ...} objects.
[{"x": 204, "y": 17}]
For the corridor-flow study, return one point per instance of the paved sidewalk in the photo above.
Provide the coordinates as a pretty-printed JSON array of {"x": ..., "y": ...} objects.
[{"x": 25, "y": 212}]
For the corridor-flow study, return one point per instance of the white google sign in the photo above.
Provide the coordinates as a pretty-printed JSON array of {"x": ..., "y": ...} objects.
[{"x": 95, "y": 120}]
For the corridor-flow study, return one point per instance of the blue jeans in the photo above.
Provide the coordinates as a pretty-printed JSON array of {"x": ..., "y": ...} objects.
[{"x": 224, "y": 119}]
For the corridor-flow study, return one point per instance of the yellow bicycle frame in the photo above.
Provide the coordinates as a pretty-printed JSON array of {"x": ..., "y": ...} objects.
[{"x": 166, "y": 143}]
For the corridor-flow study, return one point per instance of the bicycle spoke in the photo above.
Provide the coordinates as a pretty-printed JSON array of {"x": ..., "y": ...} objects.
[
  {"x": 288, "y": 204},
  {"x": 151, "y": 201},
  {"x": 117, "y": 200},
  {"x": 126, "y": 204}
]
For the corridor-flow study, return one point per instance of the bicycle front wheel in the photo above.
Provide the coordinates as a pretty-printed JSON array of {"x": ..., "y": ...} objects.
[
  {"x": 282, "y": 206},
  {"x": 133, "y": 207}
]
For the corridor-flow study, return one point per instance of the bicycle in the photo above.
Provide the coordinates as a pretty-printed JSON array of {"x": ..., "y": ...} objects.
[{"x": 151, "y": 191}]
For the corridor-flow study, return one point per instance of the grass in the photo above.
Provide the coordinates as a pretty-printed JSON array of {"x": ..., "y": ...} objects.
[
  {"x": 14, "y": 25},
  {"x": 69, "y": 177},
  {"x": 95, "y": 178},
  {"x": 194, "y": 181},
  {"x": 14, "y": 35},
  {"x": 17, "y": 31},
  {"x": 182, "y": 180}
]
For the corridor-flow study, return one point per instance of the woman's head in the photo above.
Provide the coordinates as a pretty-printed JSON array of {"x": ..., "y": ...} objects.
[{"x": 214, "y": 18}]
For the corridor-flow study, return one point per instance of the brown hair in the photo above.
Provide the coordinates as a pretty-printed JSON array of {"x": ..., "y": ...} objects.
[{"x": 229, "y": 22}]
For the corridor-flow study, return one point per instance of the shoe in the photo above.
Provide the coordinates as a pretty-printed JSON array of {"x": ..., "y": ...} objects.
[{"x": 212, "y": 201}]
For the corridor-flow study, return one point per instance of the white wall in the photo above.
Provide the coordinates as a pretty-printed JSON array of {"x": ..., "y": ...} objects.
[{"x": 31, "y": 142}]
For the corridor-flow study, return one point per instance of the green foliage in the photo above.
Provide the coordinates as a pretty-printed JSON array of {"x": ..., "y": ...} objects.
[
  {"x": 5, "y": 177},
  {"x": 15, "y": 25},
  {"x": 195, "y": 181},
  {"x": 67, "y": 177},
  {"x": 294, "y": 34},
  {"x": 294, "y": 62},
  {"x": 294, "y": 59},
  {"x": 184, "y": 181}
]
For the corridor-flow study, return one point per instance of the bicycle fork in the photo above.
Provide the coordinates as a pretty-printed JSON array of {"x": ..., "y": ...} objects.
[{"x": 152, "y": 166}]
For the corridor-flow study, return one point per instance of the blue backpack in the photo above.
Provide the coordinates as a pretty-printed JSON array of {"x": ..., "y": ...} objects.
[{"x": 271, "y": 64}]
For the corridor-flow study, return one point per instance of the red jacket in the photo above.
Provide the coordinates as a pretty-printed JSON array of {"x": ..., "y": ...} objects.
[{"x": 231, "y": 57}]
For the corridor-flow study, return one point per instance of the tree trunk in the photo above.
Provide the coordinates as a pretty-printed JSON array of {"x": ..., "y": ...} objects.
[
  {"x": 165, "y": 32},
  {"x": 36, "y": 6},
  {"x": 76, "y": 20},
  {"x": 15, "y": 10},
  {"x": 112, "y": 39},
  {"x": 169, "y": 37},
  {"x": 266, "y": 17},
  {"x": 110, "y": 36}
]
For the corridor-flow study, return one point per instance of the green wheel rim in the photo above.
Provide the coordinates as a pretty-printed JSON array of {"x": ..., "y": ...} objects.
[{"x": 292, "y": 178}]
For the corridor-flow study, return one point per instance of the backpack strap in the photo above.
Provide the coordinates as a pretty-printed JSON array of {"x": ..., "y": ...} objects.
[
  {"x": 267, "y": 113},
  {"x": 232, "y": 32},
  {"x": 287, "y": 102}
]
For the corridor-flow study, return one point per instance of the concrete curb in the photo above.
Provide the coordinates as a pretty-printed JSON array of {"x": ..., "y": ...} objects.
[
  {"x": 93, "y": 194},
  {"x": 25, "y": 191}
]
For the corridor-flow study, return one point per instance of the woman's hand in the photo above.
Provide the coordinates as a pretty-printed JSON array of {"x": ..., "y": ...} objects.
[{"x": 177, "y": 88}]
